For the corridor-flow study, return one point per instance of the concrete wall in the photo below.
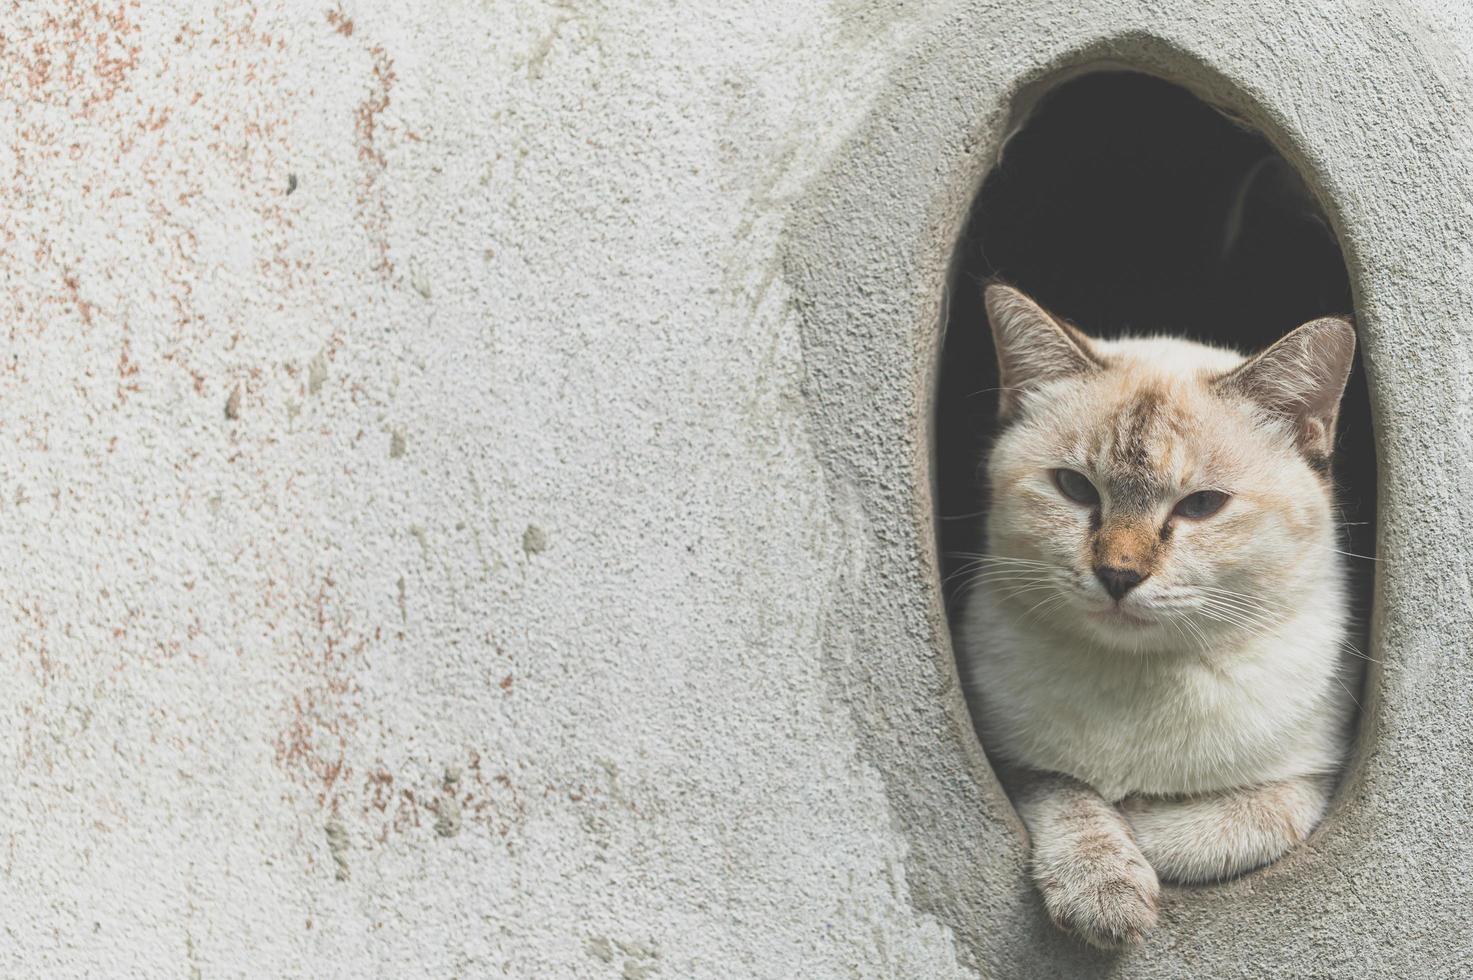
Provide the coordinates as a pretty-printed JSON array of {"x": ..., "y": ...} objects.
[{"x": 463, "y": 489}]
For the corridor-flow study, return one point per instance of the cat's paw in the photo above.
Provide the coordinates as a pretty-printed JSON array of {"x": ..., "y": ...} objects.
[
  {"x": 1208, "y": 838},
  {"x": 1098, "y": 886}
]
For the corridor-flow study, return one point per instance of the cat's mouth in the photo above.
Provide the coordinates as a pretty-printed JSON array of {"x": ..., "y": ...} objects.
[{"x": 1118, "y": 614}]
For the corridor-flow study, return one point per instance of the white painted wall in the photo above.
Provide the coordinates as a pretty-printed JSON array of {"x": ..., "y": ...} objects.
[{"x": 420, "y": 546}]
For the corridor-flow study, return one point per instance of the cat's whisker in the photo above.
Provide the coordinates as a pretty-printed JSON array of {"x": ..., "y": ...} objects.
[
  {"x": 987, "y": 566},
  {"x": 1266, "y": 614},
  {"x": 1001, "y": 582},
  {"x": 1250, "y": 608},
  {"x": 1003, "y": 578},
  {"x": 1219, "y": 590},
  {"x": 1244, "y": 615},
  {"x": 1061, "y": 594},
  {"x": 984, "y": 391},
  {"x": 1229, "y": 616},
  {"x": 985, "y": 574},
  {"x": 1021, "y": 572},
  {"x": 1339, "y": 551},
  {"x": 995, "y": 567},
  {"x": 985, "y": 569},
  {"x": 975, "y": 576},
  {"x": 1229, "y": 594},
  {"x": 1247, "y": 620},
  {"x": 1022, "y": 592},
  {"x": 1222, "y": 615},
  {"x": 1207, "y": 595},
  {"x": 1179, "y": 625},
  {"x": 1346, "y": 690},
  {"x": 995, "y": 584},
  {"x": 1246, "y": 628},
  {"x": 1196, "y": 631},
  {"x": 1240, "y": 614},
  {"x": 956, "y": 573},
  {"x": 1353, "y": 649},
  {"x": 984, "y": 556}
]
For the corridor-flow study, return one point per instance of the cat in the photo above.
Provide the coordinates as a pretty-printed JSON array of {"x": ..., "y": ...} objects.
[{"x": 1153, "y": 645}]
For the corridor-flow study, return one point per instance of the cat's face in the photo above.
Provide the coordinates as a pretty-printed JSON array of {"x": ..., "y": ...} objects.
[{"x": 1156, "y": 494}]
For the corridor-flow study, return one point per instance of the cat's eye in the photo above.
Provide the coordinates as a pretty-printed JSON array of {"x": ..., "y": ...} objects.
[
  {"x": 1203, "y": 503},
  {"x": 1076, "y": 486}
]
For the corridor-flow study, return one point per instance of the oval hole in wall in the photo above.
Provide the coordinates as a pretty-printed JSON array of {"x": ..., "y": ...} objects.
[{"x": 1126, "y": 204}]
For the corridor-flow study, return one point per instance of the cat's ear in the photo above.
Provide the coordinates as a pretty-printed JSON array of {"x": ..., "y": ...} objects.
[
  {"x": 1032, "y": 346},
  {"x": 1300, "y": 379}
]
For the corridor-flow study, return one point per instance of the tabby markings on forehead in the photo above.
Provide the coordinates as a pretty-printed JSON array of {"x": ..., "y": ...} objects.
[
  {"x": 1133, "y": 454},
  {"x": 1128, "y": 452}
]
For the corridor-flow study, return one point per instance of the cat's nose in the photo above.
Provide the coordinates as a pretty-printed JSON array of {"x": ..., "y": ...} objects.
[{"x": 1118, "y": 581}]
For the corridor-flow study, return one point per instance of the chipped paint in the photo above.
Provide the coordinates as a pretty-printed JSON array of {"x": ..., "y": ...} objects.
[
  {"x": 534, "y": 540},
  {"x": 337, "y": 844}
]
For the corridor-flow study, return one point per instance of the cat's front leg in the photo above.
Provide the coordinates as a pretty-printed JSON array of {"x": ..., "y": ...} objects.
[
  {"x": 1218, "y": 835},
  {"x": 1094, "y": 880}
]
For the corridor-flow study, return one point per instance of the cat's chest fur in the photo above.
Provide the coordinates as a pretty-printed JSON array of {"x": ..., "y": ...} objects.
[{"x": 1161, "y": 723}]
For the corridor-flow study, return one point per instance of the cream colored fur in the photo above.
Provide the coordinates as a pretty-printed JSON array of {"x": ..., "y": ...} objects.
[{"x": 1193, "y": 726}]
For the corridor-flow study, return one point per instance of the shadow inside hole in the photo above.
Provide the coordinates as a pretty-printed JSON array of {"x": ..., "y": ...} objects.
[{"x": 1127, "y": 205}]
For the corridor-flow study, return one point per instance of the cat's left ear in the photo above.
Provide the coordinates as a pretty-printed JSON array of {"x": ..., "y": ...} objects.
[{"x": 1300, "y": 379}]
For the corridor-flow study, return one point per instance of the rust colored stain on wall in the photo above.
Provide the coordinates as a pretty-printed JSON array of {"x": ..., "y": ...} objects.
[{"x": 372, "y": 199}]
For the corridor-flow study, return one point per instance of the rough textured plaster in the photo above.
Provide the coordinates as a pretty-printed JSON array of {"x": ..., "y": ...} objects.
[
  {"x": 448, "y": 526},
  {"x": 414, "y": 560},
  {"x": 1372, "y": 106}
]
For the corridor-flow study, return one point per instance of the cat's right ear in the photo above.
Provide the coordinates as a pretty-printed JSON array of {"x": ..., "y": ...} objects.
[{"x": 1033, "y": 348}]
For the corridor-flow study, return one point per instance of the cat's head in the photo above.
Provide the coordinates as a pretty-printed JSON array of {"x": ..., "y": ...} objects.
[{"x": 1154, "y": 493}]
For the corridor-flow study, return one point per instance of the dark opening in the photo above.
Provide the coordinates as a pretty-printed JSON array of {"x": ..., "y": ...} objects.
[{"x": 1128, "y": 205}]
